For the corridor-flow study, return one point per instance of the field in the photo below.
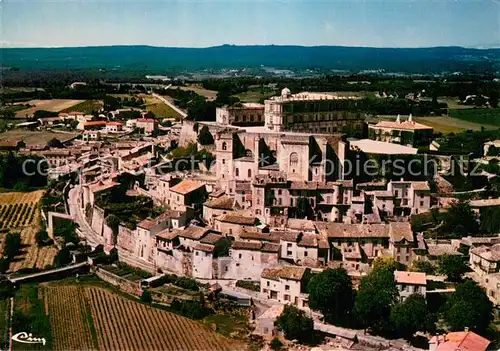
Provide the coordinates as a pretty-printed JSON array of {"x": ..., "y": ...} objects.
[
  {"x": 159, "y": 108},
  {"x": 253, "y": 95},
  {"x": 86, "y": 107},
  {"x": 198, "y": 89},
  {"x": 87, "y": 316},
  {"x": 19, "y": 212},
  {"x": 54, "y": 105},
  {"x": 35, "y": 137},
  {"x": 481, "y": 116}
]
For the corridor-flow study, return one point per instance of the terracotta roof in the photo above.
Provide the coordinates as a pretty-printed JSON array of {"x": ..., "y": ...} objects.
[
  {"x": 193, "y": 232},
  {"x": 399, "y": 231},
  {"x": 341, "y": 230},
  {"x": 9, "y": 143},
  {"x": 414, "y": 278},
  {"x": 236, "y": 218},
  {"x": 462, "y": 341},
  {"x": 186, "y": 186},
  {"x": 114, "y": 124},
  {"x": 420, "y": 185},
  {"x": 203, "y": 247},
  {"x": 146, "y": 120},
  {"x": 168, "y": 234},
  {"x": 406, "y": 125},
  {"x": 95, "y": 123},
  {"x": 381, "y": 193},
  {"x": 287, "y": 272},
  {"x": 224, "y": 202},
  {"x": 491, "y": 254},
  {"x": 252, "y": 235},
  {"x": 100, "y": 186},
  {"x": 148, "y": 224},
  {"x": 442, "y": 249},
  {"x": 211, "y": 238},
  {"x": 287, "y": 236},
  {"x": 308, "y": 240},
  {"x": 301, "y": 224},
  {"x": 270, "y": 247},
  {"x": 272, "y": 312},
  {"x": 245, "y": 245}
]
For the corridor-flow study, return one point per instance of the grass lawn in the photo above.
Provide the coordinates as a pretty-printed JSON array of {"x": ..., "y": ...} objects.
[
  {"x": 253, "y": 95},
  {"x": 481, "y": 116},
  {"x": 229, "y": 325},
  {"x": 85, "y": 107},
  {"x": 198, "y": 89}
]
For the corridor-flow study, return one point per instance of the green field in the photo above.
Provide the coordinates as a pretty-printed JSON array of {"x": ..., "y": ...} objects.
[
  {"x": 481, "y": 116},
  {"x": 86, "y": 107},
  {"x": 4, "y": 309},
  {"x": 159, "y": 108}
]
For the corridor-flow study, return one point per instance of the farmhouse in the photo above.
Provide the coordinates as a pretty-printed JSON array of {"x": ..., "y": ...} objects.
[{"x": 408, "y": 133}]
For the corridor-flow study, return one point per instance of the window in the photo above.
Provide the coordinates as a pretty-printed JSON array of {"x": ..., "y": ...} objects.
[
  {"x": 267, "y": 284},
  {"x": 226, "y": 268},
  {"x": 224, "y": 146},
  {"x": 239, "y": 256},
  {"x": 294, "y": 159},
  {"x": 289, "y": 253},
  {"x": 279, "y": 191},
  {"x": 197, "y": 253},
  {"x": 287, "y": 287},
  {"x": 249, "y": 173},
  {"x": 237, "y": 172},
  {"x": 289, "y": 245},
  {"x": 286, "y": 297},
  {"x": 230, "y": 231},
  {"x": 305, "y": 253},
  {"x": 279, "y": 202},
  {"x": 421, "y": 204},
  {"x": 223, "y": 161}
]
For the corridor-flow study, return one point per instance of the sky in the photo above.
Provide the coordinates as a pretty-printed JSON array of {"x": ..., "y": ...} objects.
[{"x": 202, "y": 23}]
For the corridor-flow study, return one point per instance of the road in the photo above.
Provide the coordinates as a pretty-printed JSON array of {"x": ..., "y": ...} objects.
[
  {"x": 175, "y": 108},
  {"x": 93, "y": 238},
  {"x": 41, "y": 274}
]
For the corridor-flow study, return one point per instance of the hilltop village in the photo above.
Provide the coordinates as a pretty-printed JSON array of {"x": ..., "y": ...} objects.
[{"x": 269, "y": 196}]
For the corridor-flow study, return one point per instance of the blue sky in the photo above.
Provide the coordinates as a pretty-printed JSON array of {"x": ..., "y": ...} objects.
[{"x": 402, "y": 23}]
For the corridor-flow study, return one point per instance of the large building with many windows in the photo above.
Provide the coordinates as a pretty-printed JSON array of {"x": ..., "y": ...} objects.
[{"x": 313, "y": 113}]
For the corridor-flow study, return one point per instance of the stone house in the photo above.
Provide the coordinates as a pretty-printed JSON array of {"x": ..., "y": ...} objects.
[
  {"x": 217, "y": 207},
  {"x": 485, "y": 260},
  {"x": 409, "y": 283},
  {"x": 187, "y": 194},
  {"x": 286, "y": 285},
  {"x": 233, "y": 223}
]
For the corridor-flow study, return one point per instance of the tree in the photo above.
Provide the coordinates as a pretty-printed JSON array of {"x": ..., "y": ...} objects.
[
  {"x": 386, "y": 263},
  {"x": 492, "y": 151},
  {"x": 330, "y": 292},
  {"x": 63, "y": 257},
  {"x": 411, "y": 316},
  {"x": 460, "y": 220},
  {"x": 374, "y": 299},
  {"x": 12, "y": 245},
  {"x": 41, "y": 237},
  {"x": 276, "y": 344},
  {"x": 4, "y": 265},
  {"x": 6, "y": 288},
  {"x": 490, "y": 219},
  {"x": 469, "y": 307},
  {"x": 295, "y": 324},
  {"x": 55, "y": 143},
  {"x": 222, "y": 247},
  {"x": 452, "y": 266},
  {"x": 424, "y": 267},
  {"x": 146, "y": 297},
  {"x": 205, "y": 137}
]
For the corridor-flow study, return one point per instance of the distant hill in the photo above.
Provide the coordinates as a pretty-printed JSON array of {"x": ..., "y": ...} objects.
[{"x": 149, "y": 58}]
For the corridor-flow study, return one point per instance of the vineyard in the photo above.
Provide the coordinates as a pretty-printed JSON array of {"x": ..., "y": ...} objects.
[
  {"x": 4, "y": 315},
  {"x": 19, "y": 213},
  {"x": 71, "y": 325},
  {"x": 125, "y": 324}
]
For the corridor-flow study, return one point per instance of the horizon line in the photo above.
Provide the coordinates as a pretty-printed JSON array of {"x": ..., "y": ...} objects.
[{"x": 478, "y": 47}]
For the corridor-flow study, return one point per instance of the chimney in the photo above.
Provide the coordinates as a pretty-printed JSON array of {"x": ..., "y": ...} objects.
[
  {"x": 398, "y": 119},
  {"x": 410, "y": 118}
]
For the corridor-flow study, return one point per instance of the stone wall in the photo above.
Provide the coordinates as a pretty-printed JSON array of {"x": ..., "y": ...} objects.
[
  {"x": 97, "y": 220},
  {"x": 131, "y": 287},
  {"x": 126, "y": 238}
]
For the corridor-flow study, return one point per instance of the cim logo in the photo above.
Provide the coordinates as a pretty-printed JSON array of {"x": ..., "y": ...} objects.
[{"x": 26, "y": 338}]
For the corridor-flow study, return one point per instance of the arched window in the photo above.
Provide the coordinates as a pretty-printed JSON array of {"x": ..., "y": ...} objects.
[
  {"x": 294, "y": 159},
  {"x": 237, "y": 172},
  {"x": 249, "y": 173},
  {"x": 224, "y": 146}
]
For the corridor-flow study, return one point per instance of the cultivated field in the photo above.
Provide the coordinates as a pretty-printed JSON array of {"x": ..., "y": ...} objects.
[
  {"x": 198, "y": 89},
  {"x": 54, "y": 105},
  {"x": 159, "y": 108},
  {"x": 70, "y": 319},
  {"x": 446, "y": 124},
  {"x": 86, "y": 107},
  {"x": 481, "y": 116},
  {"x": 19, "y": 213},
  {"x": 125, "y": 324},
  {"x": 35, "y": 137}
]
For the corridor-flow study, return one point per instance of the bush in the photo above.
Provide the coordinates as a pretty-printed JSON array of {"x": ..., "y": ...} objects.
[
  {"x": 276, "y": 344},
  {"x": 295, "y": 324},
  {"x": 42, "y": 238},
  {"x": 146, "y": 297},
  {"x": 249, "y": 285},
  {"x": 12, "y": 245},
  {"x": 190, "y": 308},
  {"x": 63, "y": 257}
]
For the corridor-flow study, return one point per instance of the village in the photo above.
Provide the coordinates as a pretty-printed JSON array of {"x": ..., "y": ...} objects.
[{"x": 268, "y": 196}]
